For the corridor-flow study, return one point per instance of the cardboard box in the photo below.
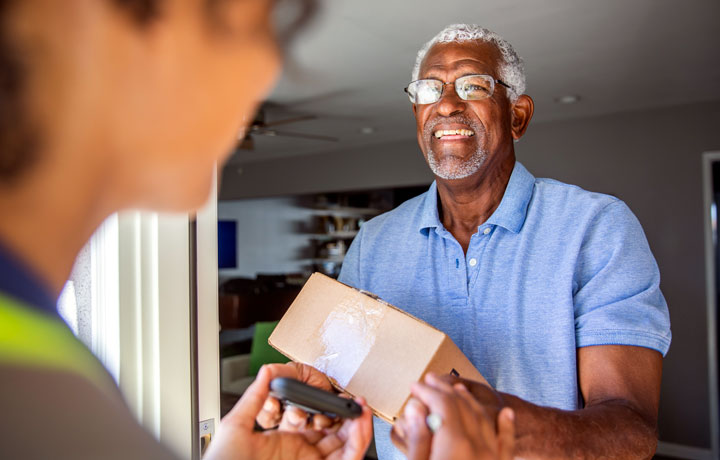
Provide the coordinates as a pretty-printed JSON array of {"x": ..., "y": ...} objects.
[{"x": 366, "y": 346}]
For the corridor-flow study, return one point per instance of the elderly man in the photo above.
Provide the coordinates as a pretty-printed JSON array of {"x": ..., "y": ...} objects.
[{"x": 550, "y": 290}]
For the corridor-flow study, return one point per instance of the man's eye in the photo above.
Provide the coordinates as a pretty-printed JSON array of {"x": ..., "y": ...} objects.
[{"x": 475, "y": 88}]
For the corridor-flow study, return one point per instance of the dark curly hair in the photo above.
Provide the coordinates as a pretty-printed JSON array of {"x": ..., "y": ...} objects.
[
  {"x": 19, "y": 140},
  {"x": 18, "y": 144}
]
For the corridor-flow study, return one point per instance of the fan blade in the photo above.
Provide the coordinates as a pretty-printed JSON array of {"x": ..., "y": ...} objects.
[
  {"x": 298, "y": 102},
  {"x": 289, "y": 120},
  {"x": 318, "y": 137}
]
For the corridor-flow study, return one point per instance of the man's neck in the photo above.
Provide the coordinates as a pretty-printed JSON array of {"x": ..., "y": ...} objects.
[{"x": 465, "y": 204}]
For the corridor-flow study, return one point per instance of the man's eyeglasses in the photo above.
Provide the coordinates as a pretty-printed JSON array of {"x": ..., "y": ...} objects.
[{"x": 468, "y": 88}]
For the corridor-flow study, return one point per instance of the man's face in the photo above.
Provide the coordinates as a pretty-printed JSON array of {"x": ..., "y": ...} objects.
[{"x": 457, "y": 137}]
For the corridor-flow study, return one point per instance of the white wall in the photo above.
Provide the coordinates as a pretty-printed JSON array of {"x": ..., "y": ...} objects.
[
  {"x": 650, "y": 159},
  {"x": 268, "y": 238}
]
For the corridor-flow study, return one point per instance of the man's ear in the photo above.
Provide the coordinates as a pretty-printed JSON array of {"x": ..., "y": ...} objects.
[{"x": 522, "y": 112}]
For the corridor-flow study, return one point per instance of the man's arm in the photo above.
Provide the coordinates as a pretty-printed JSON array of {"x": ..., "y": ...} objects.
[{"x": 621, "y": 389}]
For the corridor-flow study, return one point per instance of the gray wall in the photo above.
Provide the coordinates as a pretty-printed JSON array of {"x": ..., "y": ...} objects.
[{"x": 650, "y": 159}]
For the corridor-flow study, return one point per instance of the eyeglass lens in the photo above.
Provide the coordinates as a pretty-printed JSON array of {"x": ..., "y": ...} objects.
[{"x": 468, "y": 88}]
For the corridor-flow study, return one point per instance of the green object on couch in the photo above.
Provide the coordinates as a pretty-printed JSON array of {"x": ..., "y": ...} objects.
[{"x": 261, "y": 352}]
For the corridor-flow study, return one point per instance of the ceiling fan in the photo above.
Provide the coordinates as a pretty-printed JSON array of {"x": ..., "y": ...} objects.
[{"x": 261, "y": 127}]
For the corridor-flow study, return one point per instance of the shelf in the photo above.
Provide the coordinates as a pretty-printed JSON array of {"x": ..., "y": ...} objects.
[
  {"x": 334, "y": 235},
  {"x": 319, "y": 260},
  {"x": 346, "y": 211}
]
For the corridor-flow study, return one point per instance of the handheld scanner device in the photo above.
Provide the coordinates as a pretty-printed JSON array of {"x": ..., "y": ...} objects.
[{"x": 313, "y": 400}]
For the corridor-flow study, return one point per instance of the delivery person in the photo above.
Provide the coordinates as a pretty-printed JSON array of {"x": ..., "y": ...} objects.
[{"x": 107, "y": 105}]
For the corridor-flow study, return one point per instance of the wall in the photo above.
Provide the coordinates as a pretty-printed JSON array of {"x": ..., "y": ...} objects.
[
  {"x": 650, "y": 159},
  {"x": 268, "y": 239},
  {"x": 389, "y": 165}
]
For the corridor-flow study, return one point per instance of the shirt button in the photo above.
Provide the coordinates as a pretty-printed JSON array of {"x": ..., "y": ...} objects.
[
  {"x": 487, "y": 230},
  {"x": 472, "y": 262}
]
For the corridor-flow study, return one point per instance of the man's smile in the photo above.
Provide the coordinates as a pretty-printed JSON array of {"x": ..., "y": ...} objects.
[{"x": 453, "y": 134}]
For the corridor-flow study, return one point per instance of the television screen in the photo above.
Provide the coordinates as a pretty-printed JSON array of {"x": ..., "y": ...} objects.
[{"x": 227, "y": 244}]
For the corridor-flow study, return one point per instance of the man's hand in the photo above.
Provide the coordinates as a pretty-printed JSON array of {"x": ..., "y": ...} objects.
[
  {"x": 292, "y": 418},
  {"x": 620, "y": 386},
  {"x": 236, "y": 438},
  {"x": 466, "y": 432}
]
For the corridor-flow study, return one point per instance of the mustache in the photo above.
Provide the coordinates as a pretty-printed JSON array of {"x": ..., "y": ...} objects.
[{"x": 458, "y": 119}]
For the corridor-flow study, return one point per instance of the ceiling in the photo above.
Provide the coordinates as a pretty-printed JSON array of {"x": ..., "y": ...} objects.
[{"x": 350, "y": 67}]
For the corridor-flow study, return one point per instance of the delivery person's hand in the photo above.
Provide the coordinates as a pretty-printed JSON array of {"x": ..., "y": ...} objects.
[
  {"x": 293, "y": 418},
  {"x": 463, "y": 428},
  {"x": 237, "y": 439}
]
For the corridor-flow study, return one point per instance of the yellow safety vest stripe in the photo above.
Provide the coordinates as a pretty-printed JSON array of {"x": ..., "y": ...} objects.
[{"x": 31, "y": 338}]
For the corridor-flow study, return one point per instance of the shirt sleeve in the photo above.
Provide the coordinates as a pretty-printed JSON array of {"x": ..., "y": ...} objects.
[
  {"x": 350, "y": 271},
  {"x": 617, "y": 294}
]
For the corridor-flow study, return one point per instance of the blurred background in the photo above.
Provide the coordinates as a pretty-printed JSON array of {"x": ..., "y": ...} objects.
[{"x": 627, "y": 101}]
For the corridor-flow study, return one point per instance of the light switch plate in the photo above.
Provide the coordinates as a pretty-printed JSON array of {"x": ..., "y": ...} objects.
[{"x": 207, "y": 431}]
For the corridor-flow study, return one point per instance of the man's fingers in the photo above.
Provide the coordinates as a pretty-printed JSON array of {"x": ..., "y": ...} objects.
[
  {"x": 442, "y": 384},
  {"x": 271, "y": 413},
  {"x": 440, "y": 402},
  {"x": 506, "y": 433},
  {"x": 447, "y": 378},
  {"x": 397, "y": 435},
  {"x": 475, "y": 417},
  {"x": 418, "y": 437},
  {"x": 294, "y": 419},
  {"x": 246, "y": 410}
]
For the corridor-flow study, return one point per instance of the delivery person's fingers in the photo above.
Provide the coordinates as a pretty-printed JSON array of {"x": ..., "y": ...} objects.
[
  {"x": 272, "y": 413},
  {"x": 243, "y": 415},
  {"x": 320, "y": 421},
  {"x": 418, "y": 437},
  {"x": 352, "y": 440},
  {"x": 293, "y": 419},
  {"x": 302, "y": 372},
  {"x": 506, "y": 433}
]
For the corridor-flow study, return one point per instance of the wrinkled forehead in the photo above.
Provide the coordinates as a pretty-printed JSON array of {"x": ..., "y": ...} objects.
[{"x": 465, "y": 57}]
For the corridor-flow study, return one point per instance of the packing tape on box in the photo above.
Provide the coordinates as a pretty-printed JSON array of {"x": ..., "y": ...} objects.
[{"x": 348, "y": 335}]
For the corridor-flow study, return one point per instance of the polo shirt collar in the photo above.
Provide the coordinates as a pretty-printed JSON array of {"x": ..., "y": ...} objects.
[
  {"x": 429, "y": 217},
  {"x": 18, "y": 280},
  {"x": 511, "y": 212},
  {"x": 513, "y": 208}
]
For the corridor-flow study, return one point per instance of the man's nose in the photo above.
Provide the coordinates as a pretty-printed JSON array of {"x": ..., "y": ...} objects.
[{"x": 450, "y": 103}]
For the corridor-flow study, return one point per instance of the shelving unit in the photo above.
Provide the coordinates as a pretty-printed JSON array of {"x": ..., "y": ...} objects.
[
  {"x": 335, "y": 226},
  {"x": 334, "y": 235}
]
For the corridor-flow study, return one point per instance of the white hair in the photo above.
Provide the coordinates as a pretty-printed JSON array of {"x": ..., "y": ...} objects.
[{"x": 512, "y": 69}]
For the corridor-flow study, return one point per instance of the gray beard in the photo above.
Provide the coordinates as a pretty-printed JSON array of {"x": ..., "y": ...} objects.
[
  {"x": 449, "y": 167},
  {"x": 455, "y": 168}
]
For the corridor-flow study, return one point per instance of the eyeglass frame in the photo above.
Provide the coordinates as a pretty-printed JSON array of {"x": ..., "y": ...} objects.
[{"x": 445, "y": 83}]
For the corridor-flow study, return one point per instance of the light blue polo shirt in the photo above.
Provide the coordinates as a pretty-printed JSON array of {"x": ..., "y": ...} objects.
[{"x": 554, "y": 268}]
